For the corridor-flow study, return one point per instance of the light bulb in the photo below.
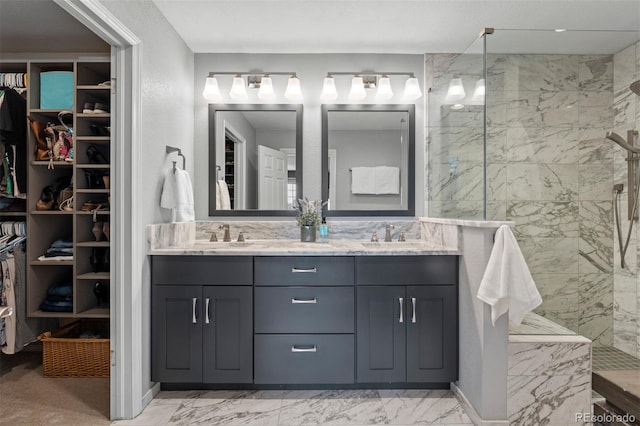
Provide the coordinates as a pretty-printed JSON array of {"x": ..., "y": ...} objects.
[
  {"x": 479, "y": 91},
  {"x": 238, "y": 91},
  {"x": 357, "y": 92},
  {"x": 329, "y": 92},
  {"x": 412, "y": 89},
  {"x": 456, "y": 90},
  {"x": 293, "y": 91},
  {"x": 211, "y": 91},
  {"x": 266, "y": 92},
  {"x": 384, "y": 92}
]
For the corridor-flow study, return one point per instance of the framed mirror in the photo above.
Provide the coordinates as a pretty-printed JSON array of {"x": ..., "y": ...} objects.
[
  {"x": 255, "y": 159},
  {"x": 368, "y": 160}
]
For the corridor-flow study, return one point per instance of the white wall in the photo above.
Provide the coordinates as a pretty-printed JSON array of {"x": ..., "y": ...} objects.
[
  {"x": 311, "y": 69},
  {"x": 166, "y": 119}
]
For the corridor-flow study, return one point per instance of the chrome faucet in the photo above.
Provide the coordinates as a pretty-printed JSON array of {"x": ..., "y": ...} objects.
[
  {"x": 227, "y": 235},
  {"x": 387, "y": 233}
]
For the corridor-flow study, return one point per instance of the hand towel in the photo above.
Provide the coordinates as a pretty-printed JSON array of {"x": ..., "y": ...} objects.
[
  {"x": 363, "y": 180},
  {"x": 387, "y": 180},
  {"x": 507, "y": 284},
  {"x": 177, "y": 195},
  {"x": 225, "y": 200},
  {"x": 218, "y": 205}
]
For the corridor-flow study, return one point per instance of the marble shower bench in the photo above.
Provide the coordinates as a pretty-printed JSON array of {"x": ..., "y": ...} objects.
[{"x": 549, "y": 373}]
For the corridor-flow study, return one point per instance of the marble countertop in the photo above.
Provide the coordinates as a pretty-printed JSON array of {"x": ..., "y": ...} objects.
[{"x": 285, "y": 247}]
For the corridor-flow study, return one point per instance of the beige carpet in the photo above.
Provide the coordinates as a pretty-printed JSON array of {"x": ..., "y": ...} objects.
[{"x": 28, "y": 398}]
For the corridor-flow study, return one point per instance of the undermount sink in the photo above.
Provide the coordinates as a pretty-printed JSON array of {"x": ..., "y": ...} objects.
[
  {"x": 393, "y": 244},
  {"x": 221, "y": 244}
]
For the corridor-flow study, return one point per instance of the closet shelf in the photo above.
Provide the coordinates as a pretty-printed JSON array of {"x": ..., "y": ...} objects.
[
  {"x": 94, "y": 313},
  {"x": 92, "y": 191},
  {"x": 45, "y": 314},
  {"x": 92, "y": 87},
  {"x": 94, "y": 139},
  {"x": 93, "y": 276},
  {"x": 91, "y": 115},
  {"x": 51, "y": 263},
  {"x": 100, "y": 212},
  {"x": 93, "y": 244},
  {"x": 7, "y": 214},
  {"x": 93, "y": 166},
  {"x": 55, "y": 163},
  {"x": 51, "y": 212}
]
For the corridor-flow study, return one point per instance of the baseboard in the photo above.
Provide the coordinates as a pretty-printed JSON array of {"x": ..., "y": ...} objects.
[
  {"x": 148, "y": 396},
  {"x": 471, "y": 410}
]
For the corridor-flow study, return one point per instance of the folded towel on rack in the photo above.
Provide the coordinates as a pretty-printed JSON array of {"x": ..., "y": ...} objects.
[
  {"x": 387, "y": 180},
  {"x": 363, "y": 180},
  {"x": 223, "y": 195},
  {"x": 177, "y": 195},
  {"x": 507, "y": 284}
]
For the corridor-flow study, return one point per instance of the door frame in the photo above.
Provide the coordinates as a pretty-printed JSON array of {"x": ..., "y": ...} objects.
[
  {"x": 240, "y": 170},
  {"x": 128, "y": 394}
]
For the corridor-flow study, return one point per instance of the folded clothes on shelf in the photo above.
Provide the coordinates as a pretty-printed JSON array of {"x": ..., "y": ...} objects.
[
  {"x": 59, "y": 298},
  {"x": 59, "y": 250},
  {"x": 62, "y": 244}
]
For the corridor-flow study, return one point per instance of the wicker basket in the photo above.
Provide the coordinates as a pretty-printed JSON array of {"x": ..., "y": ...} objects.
[{"x": 66, "y": 355}]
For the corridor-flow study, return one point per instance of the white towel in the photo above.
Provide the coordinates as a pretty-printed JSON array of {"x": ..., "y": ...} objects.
[
  {"x": 363, "y": 180},
  {"x": 507, "y": 284},
  {"x": 387, "y": 180},
  {"x": 218, "y": 195},
  {"x": 177, "y": 195},
  {"x": 223, "y": 193}
]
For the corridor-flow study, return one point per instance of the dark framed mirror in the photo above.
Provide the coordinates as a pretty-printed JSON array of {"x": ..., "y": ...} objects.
[
  {"x": 255, "y": 159},
  {"x": 368, "y": 160}
]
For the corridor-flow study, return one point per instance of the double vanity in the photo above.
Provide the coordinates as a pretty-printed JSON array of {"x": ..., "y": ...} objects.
[{"x": 278, "y": 313}]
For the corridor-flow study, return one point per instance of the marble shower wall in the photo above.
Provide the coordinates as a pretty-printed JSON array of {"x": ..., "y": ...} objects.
[
  {"x": 626, "y": 295},
  {"x": 549, "y": 169}
]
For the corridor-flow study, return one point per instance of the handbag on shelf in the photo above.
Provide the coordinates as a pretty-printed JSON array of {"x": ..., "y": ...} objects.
[
  {"x": 65, "y": 199},
  {"x": 43, "y": 147}
]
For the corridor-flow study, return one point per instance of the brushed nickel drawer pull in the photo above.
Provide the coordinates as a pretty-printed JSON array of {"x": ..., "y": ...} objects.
[
  {"x": 413, "y": 304},
  {"x": 401, "y": 302},
  {"x": 304, "y": 270},
  {"x": 194, "y": 302},
  {"x": 297, "y": 301},
  {"x": 206, "y": 311},
  {"x": 304, "y": 348}
]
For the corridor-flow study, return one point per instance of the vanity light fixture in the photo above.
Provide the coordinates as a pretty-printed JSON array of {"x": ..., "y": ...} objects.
[
  {"x": 211, "y": 90},
  {"x": 266, "y": 92},
  {"x": 293, "y": 91},
  {"x": 254, "y": 80},
  {"x": 456, "y": 90},
  {"x": 381, "y": 81},
  {"x": 238, "y": 91},
  {"x": 357, "y": 92},
  {"x": 384, "y": 92},
  {"x": 329, "y": 92}
]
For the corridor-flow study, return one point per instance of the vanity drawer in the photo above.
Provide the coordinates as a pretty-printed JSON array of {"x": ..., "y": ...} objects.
[
  {"x": 407, "y": 270},
  {"x": 304, "y": 270},
  {"x": 203, "y": 270},
  {"x": 304, "y": 359},
  {"x": 304, "y": 310}
]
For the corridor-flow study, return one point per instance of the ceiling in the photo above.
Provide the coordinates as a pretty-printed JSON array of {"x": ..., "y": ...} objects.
[
  {"x": 346, "y": 26},
  {"x": 387, "y": 26},
  {"x": 42, "y": 26}
]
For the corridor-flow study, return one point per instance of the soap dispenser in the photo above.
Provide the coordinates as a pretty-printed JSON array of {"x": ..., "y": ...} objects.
[{"x": 323, "y": 231}]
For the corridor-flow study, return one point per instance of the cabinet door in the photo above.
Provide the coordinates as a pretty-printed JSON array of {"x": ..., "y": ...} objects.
[
  {"x": 176, "y": 323},
  {"x": 381, "y": 320},
  {"x": 432, "y": 334},
  {"x": 227, "y": 334}
]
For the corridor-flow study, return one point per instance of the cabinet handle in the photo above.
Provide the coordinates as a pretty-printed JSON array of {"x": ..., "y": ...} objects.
[
  {"x": 297, "y": 301},
  {"x": 413, "y": 315},
  {"x": 194, "y": 302},
  {"x": 305, "y": 348},
  {"x": 400, "y": 301},
  {"x": 304, "y": 270},
  {"x": 206, "y": 311}
]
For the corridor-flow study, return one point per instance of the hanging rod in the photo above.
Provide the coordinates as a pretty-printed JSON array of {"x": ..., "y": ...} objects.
[{"x": 171, "y": 149}]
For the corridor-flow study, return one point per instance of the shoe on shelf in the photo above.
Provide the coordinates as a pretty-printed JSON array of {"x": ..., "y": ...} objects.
[
  {"x": 105, "y": 83},
  {"x": 100, "y": 108},
  {"x": 88, "y": 108}
]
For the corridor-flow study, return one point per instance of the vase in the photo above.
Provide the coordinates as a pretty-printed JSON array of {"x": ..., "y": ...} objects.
[{"x": 308, "y": 234}]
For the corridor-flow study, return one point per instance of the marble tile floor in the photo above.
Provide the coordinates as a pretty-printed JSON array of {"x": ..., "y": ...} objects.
[{"x": 303, "y": 407}]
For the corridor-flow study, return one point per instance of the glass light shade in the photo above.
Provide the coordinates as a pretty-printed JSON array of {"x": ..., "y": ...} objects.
[
  {"x": 211, "y": 91},
  {"x": 412, "y": 89},
  {"x": 384, "y": 92},
  {"x": 329, "y": 92},
  {"x": 456, "y": 90},
  {"x": 266, "y": 92},
  {"x": 293, "y": 91},
  {"x": 479, "y": 91},
  {"x": 357, "y": 92},
  {"x": 238, "y": 91}
]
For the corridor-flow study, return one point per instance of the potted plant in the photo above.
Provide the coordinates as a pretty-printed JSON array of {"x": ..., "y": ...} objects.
[{"x": 309, "y": 217}]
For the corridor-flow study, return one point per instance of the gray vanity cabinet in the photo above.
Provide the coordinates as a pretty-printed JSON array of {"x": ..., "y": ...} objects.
[
  {"x": 201, "y": 333},
  {"x": 407, "y": 333}
]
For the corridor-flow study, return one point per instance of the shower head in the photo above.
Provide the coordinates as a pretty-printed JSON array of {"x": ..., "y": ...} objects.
[
  {"x": 635, "y": 87},
  {"x": 620, "y": 141}
]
